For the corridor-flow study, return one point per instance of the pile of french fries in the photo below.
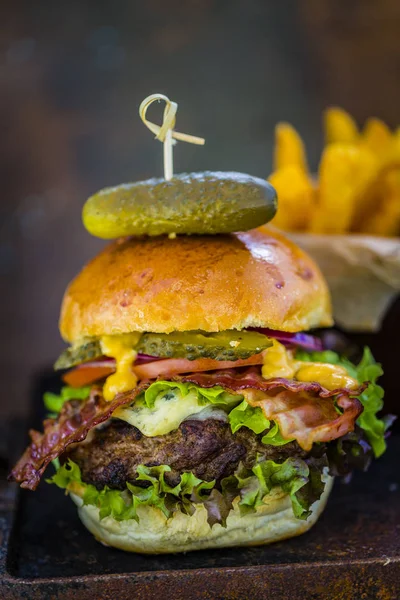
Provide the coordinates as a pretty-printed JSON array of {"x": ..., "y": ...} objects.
[{"x": 357, "y": 188}]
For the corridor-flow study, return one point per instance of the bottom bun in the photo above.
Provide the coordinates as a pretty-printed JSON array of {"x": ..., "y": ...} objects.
[{"x": 155, "y": 534}]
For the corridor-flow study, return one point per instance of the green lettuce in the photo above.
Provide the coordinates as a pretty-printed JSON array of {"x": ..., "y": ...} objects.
[
  {"x": 293, "y": 476},
  {"x": 242, "y": 415},
  {"x": 371, "y": 399},
  {"x": 152, "y": 488},
  {"x": 253, "y": 418},
  {"x": 122, "y": 505},
  {"x": 349, "y": 452},
  {"x": 54, "y": 402},
  {"x": 248, "y": 416},
  {"x": 214, "y": 395},
  {"x": 273, "y": 437}
]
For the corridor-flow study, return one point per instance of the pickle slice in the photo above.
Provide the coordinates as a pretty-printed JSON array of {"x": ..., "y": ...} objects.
[
  {"x": 224, "y": 345},
  {"x": 74, "y": 355},
  {"x": 191, "y": 203}
]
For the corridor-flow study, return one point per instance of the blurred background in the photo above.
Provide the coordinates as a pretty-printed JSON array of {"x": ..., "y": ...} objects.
[{"x": 72, "y": 77}]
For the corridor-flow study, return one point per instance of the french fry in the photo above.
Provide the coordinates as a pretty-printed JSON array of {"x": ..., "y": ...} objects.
[
  {"x": 391, "y": 157},
  {"x": 376, "y": 136},
  {"x": 366, "y": 170},
  {"x": 289, "y": 148},
  {"x": 385, "y": 219},
  {"x": 340, "y": 127},
  {"x": 382, "y": 185},
  {"x": 343, "y": 179},
  {"x": 296, "y": 198},
  {"x": 356, "y": 190}
]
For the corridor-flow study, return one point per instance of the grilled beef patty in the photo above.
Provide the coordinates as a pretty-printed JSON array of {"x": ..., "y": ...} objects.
[{"x": 207, "y": 448}]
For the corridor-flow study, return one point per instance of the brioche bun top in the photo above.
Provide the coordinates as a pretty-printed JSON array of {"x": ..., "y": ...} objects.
[{"x": 254, "y": 279}]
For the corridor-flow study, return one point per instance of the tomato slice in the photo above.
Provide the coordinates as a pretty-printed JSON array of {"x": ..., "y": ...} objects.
[
  {"x": 90, "y": 372},
  {"x": 175, "y": 366}
]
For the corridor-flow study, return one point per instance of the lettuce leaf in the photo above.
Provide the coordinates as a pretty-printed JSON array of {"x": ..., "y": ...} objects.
[
  {"x": 253, "y": 418},
  {"x": 371, "y": 399},
  {"x": 351, "y": 451},
  {"x": 214, "y": 395},
  {"x": 248, "y": 416},
  {"x": 152, "y": 488},
  {"x": 273, "y": 437},
  {"x": 293, "y": 475},
  {"x": 54, "y": 402}
]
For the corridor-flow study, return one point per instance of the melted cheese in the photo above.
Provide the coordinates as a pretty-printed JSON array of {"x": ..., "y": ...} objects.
[
  {"x": 329, "y": 376},
  {"x": 121, "y": 347},
  {"x": 279, "y": 362},
  {"x": 168, "y": 412}
]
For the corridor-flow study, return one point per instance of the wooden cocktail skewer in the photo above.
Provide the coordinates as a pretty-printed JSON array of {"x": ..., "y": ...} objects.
[{"x": 166, "y": 133}]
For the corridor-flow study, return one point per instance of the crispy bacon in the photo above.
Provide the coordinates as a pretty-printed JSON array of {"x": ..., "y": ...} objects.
[
  {"x": 73, "y": 424},
  {"x": 304, "y": 411},
  {"x": 236, "y": 380},
  {"x": 307, "y": 418},
  {"x": 300, "y": 409}
]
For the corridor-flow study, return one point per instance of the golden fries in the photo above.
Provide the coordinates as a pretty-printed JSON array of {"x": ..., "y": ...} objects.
[
  {"x": 296, "y": 197},
  {"x": 340, "y": 127},
  {"x": 289, "y": 148},
  {"x": 385, "y": 219},
  {"x": 376, "y": 136},
  {"x": 358, "y": 184},
  {"x": 341, "y": 181}
]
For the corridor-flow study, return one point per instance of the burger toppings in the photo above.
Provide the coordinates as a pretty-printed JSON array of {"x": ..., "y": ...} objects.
[
  {"x": 121, "y": 348},
  {"x": 89, "y": 372},
  {"x": 302, "y": 340},
  {"x": 207, "y": 448},
  {"x": 302, "y": 480},
  {"x": 221, "y": 346},
  {"x": 191, "y": 203},
  {"x": 206, "y": 423},
  {"x": 300, "y": 407},
  {"x": 279, "y": 362},
  {"x": 106, "y": 473},
  {"x": 191, "y": 345},
  {"x": 72, "y": 425}
]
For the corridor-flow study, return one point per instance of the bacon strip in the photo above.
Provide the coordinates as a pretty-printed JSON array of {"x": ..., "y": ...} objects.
[
  {"x": 73, "y": 424},
  {"x": 307, "y": 418},
  {"x": 236, "y": 380},
  {"x": 304, "y": 411},
  {"x": 300, "y": 409}
]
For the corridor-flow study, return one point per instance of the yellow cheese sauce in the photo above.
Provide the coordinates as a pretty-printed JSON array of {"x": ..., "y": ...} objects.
[
  {"x": 121, "y": 347},
  {"x": 279, "y": 362}
]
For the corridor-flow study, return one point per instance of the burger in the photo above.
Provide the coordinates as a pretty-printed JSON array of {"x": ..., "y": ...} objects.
[{"x": 197, "y": 411}]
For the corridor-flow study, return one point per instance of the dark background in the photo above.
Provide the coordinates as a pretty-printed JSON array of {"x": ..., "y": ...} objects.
[{"x": 72, "y": 77}]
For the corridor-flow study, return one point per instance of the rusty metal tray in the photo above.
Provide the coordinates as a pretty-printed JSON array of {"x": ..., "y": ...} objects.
[{"x": 353, "y": 552}]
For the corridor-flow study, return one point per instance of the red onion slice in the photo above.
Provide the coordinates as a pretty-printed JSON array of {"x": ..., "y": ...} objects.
[
  {"x": 304, "y": 340},
  {"x": 142, "y": 359}
]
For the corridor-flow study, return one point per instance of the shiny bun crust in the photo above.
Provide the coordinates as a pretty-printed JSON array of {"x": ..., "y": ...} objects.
[
  {"x": 253, "y": 279},
  {"x": 155, "y": 534}
]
